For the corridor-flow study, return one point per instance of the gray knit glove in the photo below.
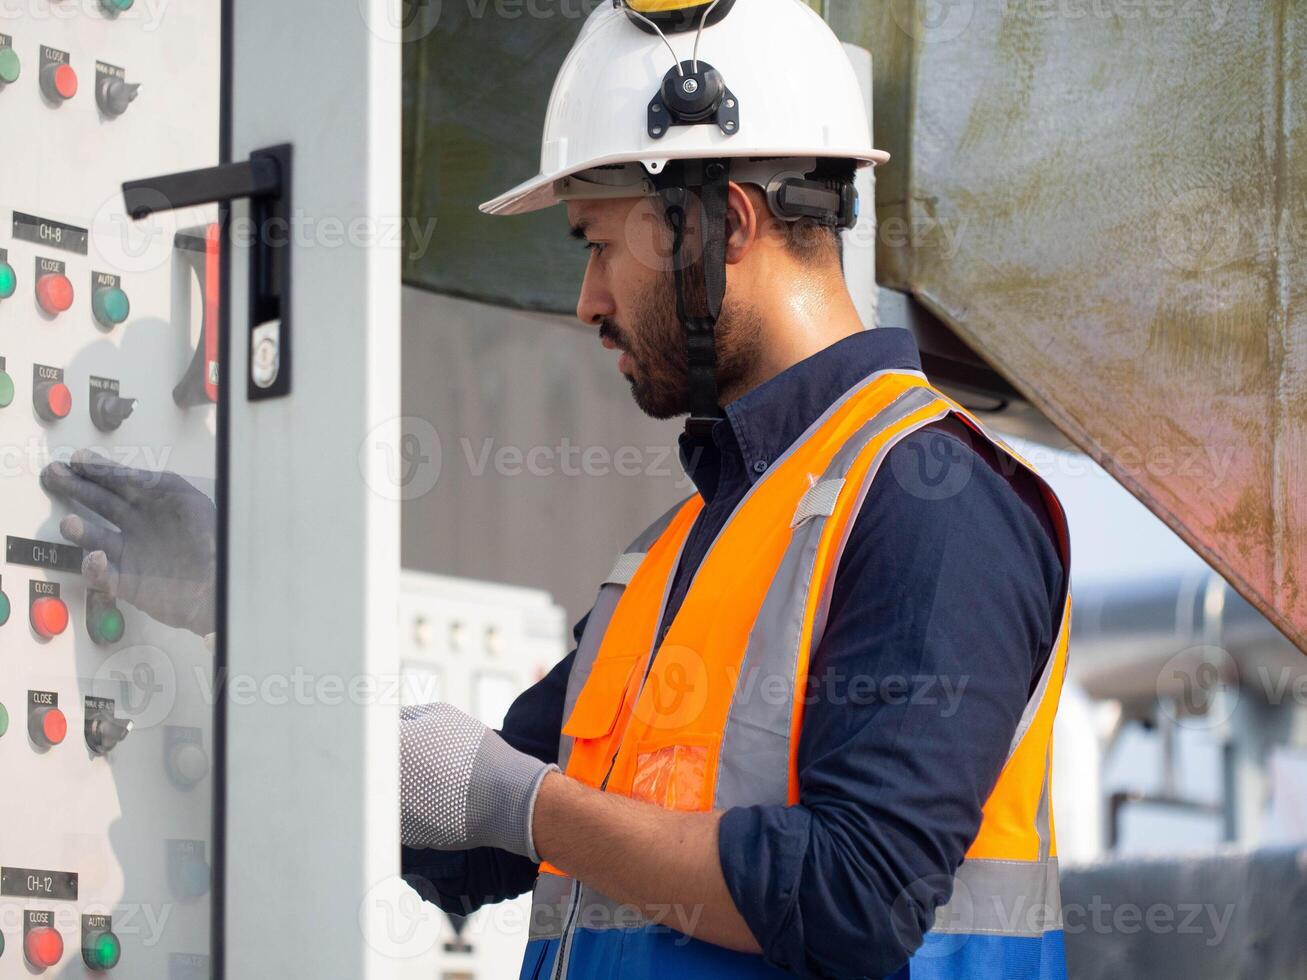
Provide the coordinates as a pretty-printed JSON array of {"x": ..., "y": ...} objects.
[
  {"x": 462, "y": 786},
  {"x": 162, "y": 557}
]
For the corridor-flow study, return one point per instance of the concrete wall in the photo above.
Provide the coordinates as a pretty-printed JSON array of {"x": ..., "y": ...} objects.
[{"x": 534, "y": 466}]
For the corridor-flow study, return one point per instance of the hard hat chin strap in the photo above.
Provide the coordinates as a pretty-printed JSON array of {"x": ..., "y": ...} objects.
[{"x": 700, "y": 274}]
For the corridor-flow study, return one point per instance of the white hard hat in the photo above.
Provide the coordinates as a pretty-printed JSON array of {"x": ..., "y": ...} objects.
[{"x": 788, "y": 90}]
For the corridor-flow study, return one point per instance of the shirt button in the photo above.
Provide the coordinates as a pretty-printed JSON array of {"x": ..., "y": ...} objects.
[{"x": 760, "y": 466}]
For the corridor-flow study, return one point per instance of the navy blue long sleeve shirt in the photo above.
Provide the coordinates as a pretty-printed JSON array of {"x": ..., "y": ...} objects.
[{"x": 942, "y": 616}]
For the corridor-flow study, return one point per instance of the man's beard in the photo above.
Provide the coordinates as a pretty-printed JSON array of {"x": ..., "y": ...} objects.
[{"x": 660, "y": 373}]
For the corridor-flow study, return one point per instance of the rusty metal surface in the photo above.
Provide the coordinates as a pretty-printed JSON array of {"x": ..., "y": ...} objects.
[{"x": 1107, "y": 199}]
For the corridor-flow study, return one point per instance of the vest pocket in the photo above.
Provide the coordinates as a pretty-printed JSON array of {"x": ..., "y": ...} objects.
[
  {"x": 600, "y": 702},
  {"x": 679, "y": 776}
]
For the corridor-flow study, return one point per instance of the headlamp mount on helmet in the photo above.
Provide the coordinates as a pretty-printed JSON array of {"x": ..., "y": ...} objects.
[{"x": 693, "y": 93}]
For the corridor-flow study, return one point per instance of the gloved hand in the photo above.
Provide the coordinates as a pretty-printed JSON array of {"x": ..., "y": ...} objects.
[
  {"x": 163, "y": 557},
  {"x": 462, "y": 786}
]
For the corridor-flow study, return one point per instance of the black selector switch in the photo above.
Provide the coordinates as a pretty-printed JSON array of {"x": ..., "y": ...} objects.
[
  {"x": 114, "y": 95},
  {"x": 103, "y": 730},
  {"x": 109, "y": 410}
]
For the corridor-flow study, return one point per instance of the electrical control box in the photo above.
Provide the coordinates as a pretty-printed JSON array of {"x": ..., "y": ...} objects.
[
  {"x": 478, "y": 646},
  {"x": 107, "y": 341}
]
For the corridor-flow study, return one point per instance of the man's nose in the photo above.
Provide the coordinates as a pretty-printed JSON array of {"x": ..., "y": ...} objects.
[{"x": 595, "y": 304}]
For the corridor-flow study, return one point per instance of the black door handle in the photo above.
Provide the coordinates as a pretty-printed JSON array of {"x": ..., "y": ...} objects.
[{"x": 265, "y": 178}]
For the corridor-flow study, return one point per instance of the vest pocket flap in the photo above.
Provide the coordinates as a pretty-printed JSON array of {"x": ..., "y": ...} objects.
[{"x": 601, "y": 700}]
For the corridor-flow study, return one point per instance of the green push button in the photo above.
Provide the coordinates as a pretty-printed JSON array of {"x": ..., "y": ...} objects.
[
  {"x": 102, "y": 951},
  {"x": 4, "y": 720},
  {"x": 8, "y": 280},
  {"x": 10, "y": 66},
  {"x": 108, "y": 626},
  {"x": 4, "y": 599},
  {"x": 117, "y": 6},
  {"x": 6, "y": 399},
  {"x": 110, "y": 305}
]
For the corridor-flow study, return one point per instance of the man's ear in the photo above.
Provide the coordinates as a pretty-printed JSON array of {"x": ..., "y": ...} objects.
[{"x": 743, "y": 223}]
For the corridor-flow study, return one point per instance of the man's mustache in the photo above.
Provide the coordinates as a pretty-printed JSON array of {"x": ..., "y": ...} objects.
[{"x": 608, "y": 330}]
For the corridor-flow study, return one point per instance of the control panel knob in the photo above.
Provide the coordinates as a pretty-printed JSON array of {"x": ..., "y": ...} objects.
[
  {"x": 58, "y": 82},
  {"x": 188, "y": 763},
  {"x": 101, "y": 950},
  {"x": 8, "y": 277},
  {"x": 53, "y": 400},
  {"x": 43, "y": 946},
  {"x": 10, "y": 66},
  {"x": 47, "y": 726},
  {"x": 110, "y": 306},
  {"x": 108, "y": 411},
  {"x": 49, "y": 616},
  {"x": 54, "y": 291},
  {"x": 114, "y": 95},
  {"x": 104, "y": 732}
]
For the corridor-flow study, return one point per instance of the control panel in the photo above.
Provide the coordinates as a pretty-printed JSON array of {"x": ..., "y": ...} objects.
[
  {"x": 106, "y": 343},
  {"x": 478, "y": 646}
]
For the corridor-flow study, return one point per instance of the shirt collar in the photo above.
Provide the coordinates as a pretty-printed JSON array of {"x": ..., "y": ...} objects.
[{"x": 763, "y": 423}]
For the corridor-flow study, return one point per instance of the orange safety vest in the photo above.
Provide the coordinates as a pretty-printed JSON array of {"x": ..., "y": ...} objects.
[{"x": 684, "y": 726}]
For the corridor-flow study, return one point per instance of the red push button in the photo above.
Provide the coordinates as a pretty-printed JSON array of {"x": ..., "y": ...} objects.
[
  {"x": 47, "y": 726},
  {"x": 59, "y": 82},
  {"x": 53, "y": 400},
  {"x": 44, "y": 947},
  {"x": 54, "y": 291},
  {"x": 49, "y": 616}
]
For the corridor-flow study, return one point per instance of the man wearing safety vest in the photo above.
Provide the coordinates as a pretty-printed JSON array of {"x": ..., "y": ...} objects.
[{"x": 807, "y": 726}]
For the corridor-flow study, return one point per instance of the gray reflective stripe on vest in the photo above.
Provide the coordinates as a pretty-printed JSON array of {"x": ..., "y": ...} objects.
[
  {"x": 628, "y": 563},
  {"x": 549, "y": 905},
  {"x": 552, "y": 903},
  {"x": 1004, "y": 898},
  {"x": 1008, "y": 898},
  {"x": 753, "y": 767},
  {"x": 1041, "y": 689}
]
